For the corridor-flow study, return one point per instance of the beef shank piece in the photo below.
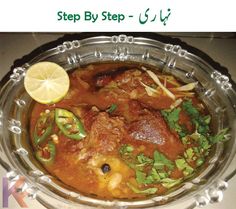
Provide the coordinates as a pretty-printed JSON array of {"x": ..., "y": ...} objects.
[
  {"x": 151, "y": 127},
  {"x": 106, "y": 133}
]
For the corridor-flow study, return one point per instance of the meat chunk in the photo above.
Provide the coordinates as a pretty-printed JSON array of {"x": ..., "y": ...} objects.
[
  {"x": 106, "y": 132},
  {"x": 130, "y": 110},
  {"x": 103, "y": 80},
  {"x": 158, "y": 103},
  {"x": 152, "y": 128}
]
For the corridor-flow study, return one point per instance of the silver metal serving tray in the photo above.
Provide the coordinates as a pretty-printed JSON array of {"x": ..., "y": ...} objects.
[{"x": 213, "y": 88}]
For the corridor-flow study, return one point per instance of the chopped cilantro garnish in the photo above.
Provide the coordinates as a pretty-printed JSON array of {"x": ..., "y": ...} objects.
[
  {"x": 126, "y": 149},
  {"x": 199, "y": 162},
  {"x": 160, "y": 161},
  {"x": 168, "y": 182},
  {"x": 207, "y": 119},
  {"x": 192, "y": 154},
  {"x": 157, "y": 170},
  {"x": 189, "y": 153},
  {"x": 142, "y": 159},
  {"x": 196, "y": 150},
  {"x": 202, "y": 140},
  {"x": 201, "y": 126},
  {"x": 163, "y": 175},
  {"x": 201, "y": 122},
  {"x": 149, "y": 171},
  {"x": 185, "y": 140},
  {"x": 184, "y": 166},
  {"x": 218, "y": 137},
  {"x": 138, "y": 191},
  {"x": 172, "y": 118},
  {"x": 155, "y": 175},
  {"x": 190, "y": 109},
  {"x": 149, "y": 179},
  {"x": 204, "y": 143},
  {"x": 141, "y": 177}
]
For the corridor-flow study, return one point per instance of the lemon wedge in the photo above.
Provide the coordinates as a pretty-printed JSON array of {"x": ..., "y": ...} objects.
[{"x": 46, "y": 82}]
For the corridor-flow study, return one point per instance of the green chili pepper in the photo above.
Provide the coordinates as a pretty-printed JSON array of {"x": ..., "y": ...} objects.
[
  {"x": 43, "y": 127},
  {"x": 51, "y": 150},
  {"x": 69, "y": 124}
]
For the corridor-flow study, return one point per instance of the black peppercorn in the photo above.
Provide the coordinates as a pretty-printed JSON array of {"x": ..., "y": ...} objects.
[{"x": 105, "y": 168}]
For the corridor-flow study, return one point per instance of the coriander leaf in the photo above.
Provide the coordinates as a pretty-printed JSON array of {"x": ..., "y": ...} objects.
[
  {"x": 163, "y": 175},
  {"x": 142, "y": 159},
  {"x": 201, "y": 125},
  {"x": 149, "y": 180},
  {"x": 184, "y": 166},
  {"x": 142, "y": 179},
  {"x": 199, "y": 161},
  {"x": 135, "y": 162},
  {"x": 168, "y": 182},
  {"x": 180, "y": 163},
  {"x": 131, "y": 165},
  {"x": 218, "y": 137},
  {"x": 189, "y": 153},
  {"x": 190, "y": 109},
  {"x": 126, "y": 149},
  {"x": 183, "y": 132},
  {"x": 185, "y": 140},
  {"x": 202, "y": 140},
  {"x": 201, "y": 122},
  {"x": 155, "y": 175},
  {"x": 204, "y": 143},
  {"x": 112, "y": 108},
  {"x": 207, "y": 119},
  {"x": 196, "y": 150},
  {"x": 129, "y": 148},
  {"x": 171, "y": 117},
  {"x": 138, "y": 191},
  {"x": 160, "y": 161},
  {"x": 174, "y": 115},
  {"x": 195, "y": 136}
]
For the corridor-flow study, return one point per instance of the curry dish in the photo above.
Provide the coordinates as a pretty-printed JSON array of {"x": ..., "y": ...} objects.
[{"x": 123, "y": 131}]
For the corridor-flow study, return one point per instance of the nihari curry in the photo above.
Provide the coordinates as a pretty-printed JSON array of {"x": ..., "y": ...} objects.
[{"x": 123, "y": 131}]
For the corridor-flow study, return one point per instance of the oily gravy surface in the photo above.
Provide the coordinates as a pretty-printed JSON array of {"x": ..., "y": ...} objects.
[{"x": 122, "y": 131}]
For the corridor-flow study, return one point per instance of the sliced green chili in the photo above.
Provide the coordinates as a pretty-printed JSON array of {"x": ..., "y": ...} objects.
[
  {"x": 52, "y": 152},
  {"x": 69, "y": 124},
  {"x": 43, "y": 127}
]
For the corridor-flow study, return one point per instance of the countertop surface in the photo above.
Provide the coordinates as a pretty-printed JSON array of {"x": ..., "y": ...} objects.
[{"x": 221, "y": 47}]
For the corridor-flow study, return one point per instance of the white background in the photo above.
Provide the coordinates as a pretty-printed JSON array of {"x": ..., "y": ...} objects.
[{"x": 186, "y": 15}]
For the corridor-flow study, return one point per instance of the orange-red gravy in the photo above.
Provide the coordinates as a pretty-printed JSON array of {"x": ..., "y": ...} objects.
[{"x": 93, "y": 89}]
